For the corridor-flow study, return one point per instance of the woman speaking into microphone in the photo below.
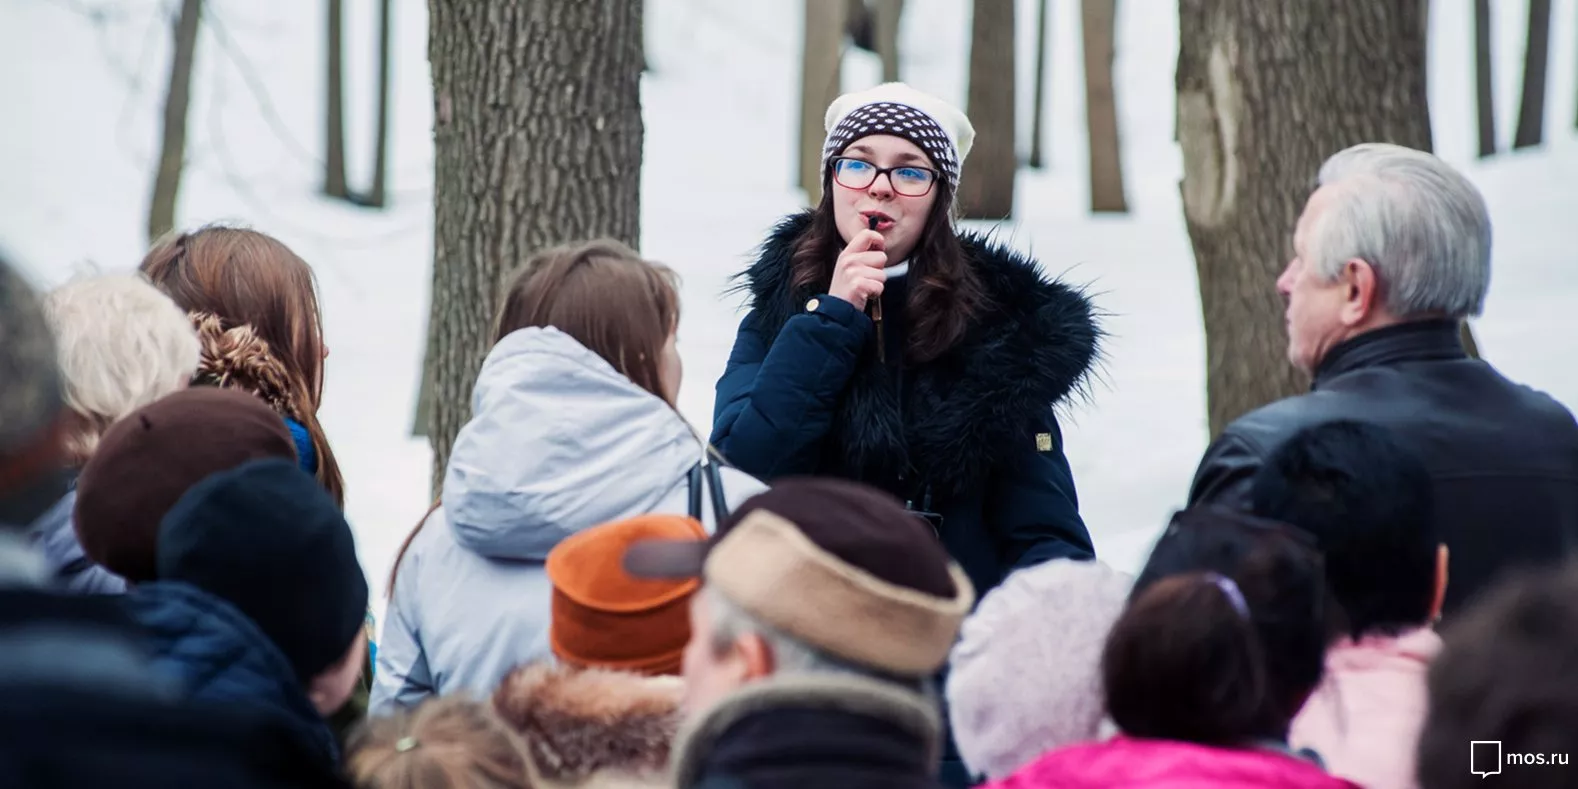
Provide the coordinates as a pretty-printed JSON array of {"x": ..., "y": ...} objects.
[{"x": 885, "y": 347}]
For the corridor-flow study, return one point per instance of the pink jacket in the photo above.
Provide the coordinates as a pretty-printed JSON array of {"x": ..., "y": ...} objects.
[
  {"x": 1364, "y": 719},
  {"x": 1129, "y": 763}
]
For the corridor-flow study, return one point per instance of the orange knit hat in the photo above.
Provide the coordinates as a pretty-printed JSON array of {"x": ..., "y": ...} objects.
[{"x": 605, "y": 618}]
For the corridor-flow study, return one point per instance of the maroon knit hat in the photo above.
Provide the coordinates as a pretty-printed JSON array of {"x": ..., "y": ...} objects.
[{"x": 146, "y": 461}]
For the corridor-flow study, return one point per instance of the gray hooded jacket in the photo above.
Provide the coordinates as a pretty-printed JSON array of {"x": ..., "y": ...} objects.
[{"x": 559, "y": 442}]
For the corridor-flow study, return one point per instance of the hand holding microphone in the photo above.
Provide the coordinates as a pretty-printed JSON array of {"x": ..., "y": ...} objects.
[
  {"x": 858, "y": 277},
  {"x": 861, "y": 269}
]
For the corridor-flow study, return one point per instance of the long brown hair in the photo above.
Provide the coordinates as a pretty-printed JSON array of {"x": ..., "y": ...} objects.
[
  {"x": 605, "y": 296},
  {"x": 249, "y": 279},
  {"x": 945, "y": 294},
  {"x": 445, "y": 743}
]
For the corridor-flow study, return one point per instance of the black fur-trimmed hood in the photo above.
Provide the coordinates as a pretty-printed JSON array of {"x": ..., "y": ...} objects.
[{"x": 1033, "y": 347}]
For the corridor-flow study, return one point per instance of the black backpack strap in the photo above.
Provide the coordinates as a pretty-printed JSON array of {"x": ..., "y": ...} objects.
[
  {"x": 720, "y": 505},
  {"x": 695, "y": 479},
  {"x": 706, "y": 474}
]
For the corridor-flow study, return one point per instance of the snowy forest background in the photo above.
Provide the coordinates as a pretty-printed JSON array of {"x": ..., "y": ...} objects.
[{"x": 84, "y": 120}]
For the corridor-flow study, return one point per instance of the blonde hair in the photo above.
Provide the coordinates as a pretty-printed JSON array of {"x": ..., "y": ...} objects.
[
  {"x": 451, "y": 742},
  {"x": 122, "y": 344}
]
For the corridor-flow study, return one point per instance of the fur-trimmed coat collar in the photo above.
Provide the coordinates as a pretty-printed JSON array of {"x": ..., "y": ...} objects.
[
  {"x": 1033, "y": 347},
  {"x": 590, "y": 728},
  {"x": 812, "y": 730}
]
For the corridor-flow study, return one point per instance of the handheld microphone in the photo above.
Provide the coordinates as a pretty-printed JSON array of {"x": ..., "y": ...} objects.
[{"x": 874, "y": 309}]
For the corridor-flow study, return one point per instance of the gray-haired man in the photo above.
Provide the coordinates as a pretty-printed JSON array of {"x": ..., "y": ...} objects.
[
  {"x": 1391, "y": 253},
  {"x": 826, "y": 610}
]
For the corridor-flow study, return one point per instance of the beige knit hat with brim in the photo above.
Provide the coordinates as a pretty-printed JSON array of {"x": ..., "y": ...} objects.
[{"x": 839, "y": 566}]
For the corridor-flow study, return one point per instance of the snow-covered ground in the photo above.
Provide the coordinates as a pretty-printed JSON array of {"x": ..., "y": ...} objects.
[{"x": 82, "y": 116}]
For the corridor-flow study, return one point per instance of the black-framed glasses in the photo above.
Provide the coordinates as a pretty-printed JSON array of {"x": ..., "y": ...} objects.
[{"x": 908, "y": 180}]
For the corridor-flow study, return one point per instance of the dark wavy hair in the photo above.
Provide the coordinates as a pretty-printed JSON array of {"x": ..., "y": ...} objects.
[
  {"x": 1186, "y": 661},
  {"x": 1369, "y": 502},
  {"x": 945, "y": 294}
]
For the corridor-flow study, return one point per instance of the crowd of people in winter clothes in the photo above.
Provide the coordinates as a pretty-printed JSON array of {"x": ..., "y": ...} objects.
[{"x": 872, "y": 573}]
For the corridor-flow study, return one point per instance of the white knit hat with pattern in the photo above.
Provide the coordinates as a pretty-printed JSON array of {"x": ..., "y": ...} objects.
[{"x": 935, "y": 126}]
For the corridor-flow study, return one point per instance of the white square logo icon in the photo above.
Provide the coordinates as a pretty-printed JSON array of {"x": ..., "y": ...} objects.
[{"x": 1484, "y": 757}]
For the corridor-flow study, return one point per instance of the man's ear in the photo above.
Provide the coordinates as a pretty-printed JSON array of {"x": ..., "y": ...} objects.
[
  {"x": 756, "y": 656},
  {"x": 1361, "y": 291},
  {"x": 1439, "y": 598}
]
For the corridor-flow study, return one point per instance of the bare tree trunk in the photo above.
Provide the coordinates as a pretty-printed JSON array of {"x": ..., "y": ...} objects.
[
  {"x": 378, "y": 195},
  {"x": 334, "y": 118},
  {"x": 424, "y": 394},
  {"x": 537, "y": 142},
  {"x": 1037, "y": 131},
  {"x": 860, "y": 26},
  {"x": 1531, "y": 111},
  {"x": 1099, "y": 19},
  {"x": 887, "y": 22},
  {"x": 1487, "y": 117},
  {"x": 1484, "y": 82},
  {"x": 986, "y": 186},
  {"x": 177, "y": 98},
  {"x": 1258, "y": 112},
  {"x": 820, "y": 78}
]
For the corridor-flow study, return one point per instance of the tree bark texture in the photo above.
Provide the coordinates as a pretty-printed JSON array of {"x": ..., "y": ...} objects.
[
  {"x": 820, "y": 78},
  {"x": 378, "y": 195},
  {"x": 888, "y": 13},
  {"x": 1484, "y": 79},
  {"x": 986, "y": 184},
  {"x": 1267, "y": 90},
  {"x": 1531, "y": 110},
  {"x": 860, "y": 26},
  {"x": 1037, "y": 130},
  {"x": 1098, "y": 20},
  {"x": 537, "y": 137},
  {"x": 177, "y": 99},
  {"x": 334, "y": 116}
]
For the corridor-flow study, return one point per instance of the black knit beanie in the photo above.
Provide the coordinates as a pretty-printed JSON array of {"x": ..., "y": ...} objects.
[{"x": 269, "y": 540}]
